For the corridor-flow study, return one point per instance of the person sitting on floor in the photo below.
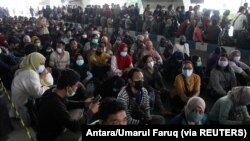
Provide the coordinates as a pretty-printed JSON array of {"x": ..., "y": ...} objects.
[
  {"x": 194, "y": 113},
  {"x": 231, "y": 109}
]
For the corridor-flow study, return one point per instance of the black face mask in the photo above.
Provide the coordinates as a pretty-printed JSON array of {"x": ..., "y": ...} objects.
[
  {"x": 98, "y": 53},
  {"x": 138, "y": 84},
  {"x": 182, "y": 42}
]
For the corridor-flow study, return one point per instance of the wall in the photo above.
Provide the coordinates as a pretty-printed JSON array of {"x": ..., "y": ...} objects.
[
  {"x": 77, "y": 2},
  {"x": 166, "y": 3}
]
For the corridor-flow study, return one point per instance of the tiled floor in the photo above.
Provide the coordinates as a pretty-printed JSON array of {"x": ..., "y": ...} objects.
[{"x": 19, "y": 133}]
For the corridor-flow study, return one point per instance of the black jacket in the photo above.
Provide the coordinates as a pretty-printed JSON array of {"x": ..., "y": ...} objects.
[{"x": 54, "y": 116}]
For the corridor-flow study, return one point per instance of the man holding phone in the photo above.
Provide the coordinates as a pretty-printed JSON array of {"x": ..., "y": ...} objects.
[{"x": 54, "y": 115}]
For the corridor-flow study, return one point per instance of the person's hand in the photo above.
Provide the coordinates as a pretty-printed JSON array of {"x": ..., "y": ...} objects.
[
  {"x": 4, "y": 50},
  {"x": 246, "y": 121},
  {"x": 94, "y": 107},
  {"x": 127, "y": 70},
  {"x": 88, "y": 101},
  {"x": 49, "y": 69}
]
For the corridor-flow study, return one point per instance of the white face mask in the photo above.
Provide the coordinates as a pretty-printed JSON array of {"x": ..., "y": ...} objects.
[
  {"x": 38, "y": 44},
  {"x": 59, "y": 50},
  {"x": 123, "y": 53},
  {"x": 187, "y": 73},
  {"x": 84, "y": 36},
  {"x": 151, "y": 64},
  {"x": 223, "y": 63},
  {"x": 237, "y": 58}
]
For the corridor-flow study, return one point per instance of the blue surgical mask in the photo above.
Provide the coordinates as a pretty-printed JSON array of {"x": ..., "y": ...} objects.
[
  {"x": 80, "y": 62},
  {"x": 194, "y": 117},
  {"x": 123, "y": 53},
  {"x": 59, "y": 50},
  {"x": 70, "y": 94},
  {"x": 199, "y": 64},
  {"x": 41, "y": 68},
  {"x": 95, "y": 41},
  {"x": 187, "y": 73}
]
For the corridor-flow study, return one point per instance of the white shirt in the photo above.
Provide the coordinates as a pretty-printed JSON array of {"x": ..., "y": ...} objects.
[
  {"x": 182, "y": 48},
  {"x": 238, "y": 24},
  {"x": 26, "y": 83}
]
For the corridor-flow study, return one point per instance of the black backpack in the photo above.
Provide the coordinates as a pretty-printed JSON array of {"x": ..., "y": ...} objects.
[{"x": 33, "y": 108}]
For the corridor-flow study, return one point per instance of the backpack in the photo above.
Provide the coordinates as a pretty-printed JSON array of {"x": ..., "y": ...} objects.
[
  {"x": 33, "y": 108},
  {"x": 224, "y": 38}
]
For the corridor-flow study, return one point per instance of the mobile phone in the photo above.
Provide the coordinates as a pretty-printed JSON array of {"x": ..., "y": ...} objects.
[{"x": 97, "y": 98}]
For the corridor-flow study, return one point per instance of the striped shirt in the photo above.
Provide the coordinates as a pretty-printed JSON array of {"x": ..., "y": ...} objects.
[{"x": 124, "y": 97}]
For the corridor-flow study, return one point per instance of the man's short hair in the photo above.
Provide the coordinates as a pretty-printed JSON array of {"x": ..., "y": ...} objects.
[
  {"x": 68, "y": 77},
  {"x": 61, "y": 42},
  {"x": 13, "y": 40},
  {"x": 30, "y": 49},
  {"x": 132, "y": 71},
  {"x": 110, "y": 106},
  {"x": 71, "y": 40}
]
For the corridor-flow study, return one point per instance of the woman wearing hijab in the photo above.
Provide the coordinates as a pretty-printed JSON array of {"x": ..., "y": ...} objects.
[
  {"x": 241, "y": 70},
  {"x": 173, "y": 66},
  {"x": 193, "y": 114},
  {"x": 121, "y": 62},
  {"x": 232, "y": 108},
  {"x": 213, "y": 59},
  {"x": 107, "y": 44},
  {"x": 27, "y": 82},
  {"x": 222, "y": 78},
  {"x": 149, "y": 50},
  {"x": 186, "y": 85},
  {"x": 80, "y": 66}
]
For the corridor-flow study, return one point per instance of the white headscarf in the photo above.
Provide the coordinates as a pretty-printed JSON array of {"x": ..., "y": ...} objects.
[{"x": 193, "y": 103}]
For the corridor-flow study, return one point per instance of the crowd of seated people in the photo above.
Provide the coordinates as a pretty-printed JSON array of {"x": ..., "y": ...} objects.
[{"x": 64, "y": 68}]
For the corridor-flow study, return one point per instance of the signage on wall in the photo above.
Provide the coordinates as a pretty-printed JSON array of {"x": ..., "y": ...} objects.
[{"x": 197, "y": 1}]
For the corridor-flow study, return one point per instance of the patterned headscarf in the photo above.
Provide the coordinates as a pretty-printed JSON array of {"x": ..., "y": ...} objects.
[{"x": 240, "y": 95}]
